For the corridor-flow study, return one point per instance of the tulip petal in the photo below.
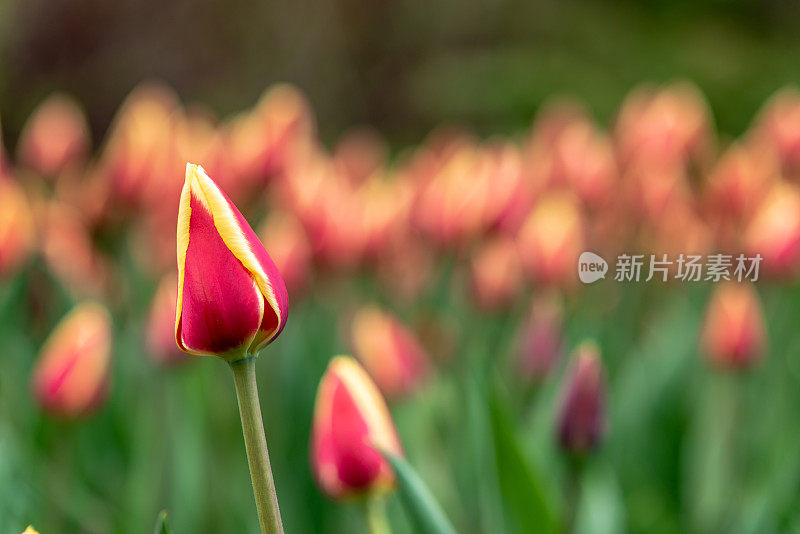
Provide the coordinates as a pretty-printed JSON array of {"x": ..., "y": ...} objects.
[{"x": 219, "y": 304}]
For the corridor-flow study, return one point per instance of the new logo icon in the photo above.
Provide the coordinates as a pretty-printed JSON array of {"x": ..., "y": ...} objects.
[{"x": 591, "y": 267}]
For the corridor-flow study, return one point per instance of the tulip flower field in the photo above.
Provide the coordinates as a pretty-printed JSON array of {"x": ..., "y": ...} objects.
[{"x": 227, "y": 326}]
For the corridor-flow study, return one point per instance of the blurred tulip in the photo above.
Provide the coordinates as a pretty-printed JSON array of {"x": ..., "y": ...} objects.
[
  {"x": 541, "y": 339},
  {"x": 389, "y": 351},
  {"x": 450, "y": 207},
  {"x": 385, "y": 211},
  {"x": 774, "y": 231},
  {"x": 551, "y": 240},
  {"x": 778, "y": 129},
  {"x": 55, "y": 136},
  {"x": 667, "y": 125},
  {"x": 511, "y": 197},
  {"x": 232, "y": 300},
  {"x": 360, "y": 154},
  {"x": 496, "y": 273},
  {"x": 406, "y": 268},
  {"x": 351, "y": 424},
  {"x": 160, "y": 331},
  {"x": 72, "y": 374},
  {"x": 16, "y": 227},
  {"x": 279, "y": 126},
  {"x": 586, "y": 160},
  {"x": 140, "y": 158},
  {"x": 734, "y": 333},
  {"x": 30, "y": 530},
  {"x": 582, "y": 413},
  {"x": 69, "y": 252},
  {"x": 654, "y": 187},
  {"x": 289, "y": 248}
]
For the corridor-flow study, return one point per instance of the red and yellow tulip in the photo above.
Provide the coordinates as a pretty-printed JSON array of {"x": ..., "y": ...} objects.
[
  {"x": 351, "y": 425},
  {"x": 232, "y": 300},
  {"x": 72, "y": 374}
]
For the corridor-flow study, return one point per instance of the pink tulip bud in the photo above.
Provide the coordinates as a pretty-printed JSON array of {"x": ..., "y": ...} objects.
[
  {"x": 778, "y": 129},
  {"x": 16, "y": 227},
  {"x": 734, "y": 334},
  {"x": 54, "y": 137},
  {"x": 160, "y": 333},
  {"x": 540, "y": 341},
  {"x": 351, "y": 424},
  {"x": 582, "y": 414},
  {"x": 551, "y": 240},
  {"x": 232, "y": 300},
  {"x": 72, "y": 374},
  {"x": 390, "y": 352},
  {"x": 496, "y": 273}
]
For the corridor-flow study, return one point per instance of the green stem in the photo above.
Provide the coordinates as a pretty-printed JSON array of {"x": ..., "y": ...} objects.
[
  {"x": 375, "y": 511},
  {"x": 244, "y": 375}
]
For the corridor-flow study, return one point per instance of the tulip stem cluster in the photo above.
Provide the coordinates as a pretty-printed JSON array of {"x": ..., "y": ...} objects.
[{"x": 269, "y": 515}]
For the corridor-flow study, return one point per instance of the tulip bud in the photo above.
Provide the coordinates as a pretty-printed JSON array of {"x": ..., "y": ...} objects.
[
  {"x": 232, "y": 300},
  {"x": 16, "y": 227},
  {"x": 160, "y": 331},
  {"x": 582, "y": 414},
  {"x": 351, "y": 424},
  {"x": 496, "y": 273},
  {"x": 71, "y": 376},
  {"x": 55, "y": 136},
  {"x": 390, "y": 352},
  {"x": 30, "y": 530},
  {"x": 733, "y": 333},
  {"x": 551, "y": 239},
  {"x": 541, "y": 340}
]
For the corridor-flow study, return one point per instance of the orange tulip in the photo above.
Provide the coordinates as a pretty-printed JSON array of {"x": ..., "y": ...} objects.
[
  {"x": 734, "y": 333},
  {"x": 16, "y": 227},
  {"x": 496, "y": 274},
  {"x": 390, "y": 352},
  {"x": 55, "y": 136},
  {"x": 551, "y": 240},
  {"x": 351, "y": 424},
  {"x": 72, "y": 374},
  {"x": 774, "y": 230}
]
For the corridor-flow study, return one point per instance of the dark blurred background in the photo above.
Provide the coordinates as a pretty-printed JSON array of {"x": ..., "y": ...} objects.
[{"x": 402, "y": 66}]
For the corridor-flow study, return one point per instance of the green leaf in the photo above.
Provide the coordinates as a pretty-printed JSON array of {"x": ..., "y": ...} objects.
[
  {"x": 524, "y": 495},
  {"x": 418, "y": 499},
  {"x": 162, "y": 525}
]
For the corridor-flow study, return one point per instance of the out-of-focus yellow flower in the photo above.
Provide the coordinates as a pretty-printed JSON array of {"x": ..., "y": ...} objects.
[
  {"x": 72, "y": 374},
  {"x": 30, "y": 530}
]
